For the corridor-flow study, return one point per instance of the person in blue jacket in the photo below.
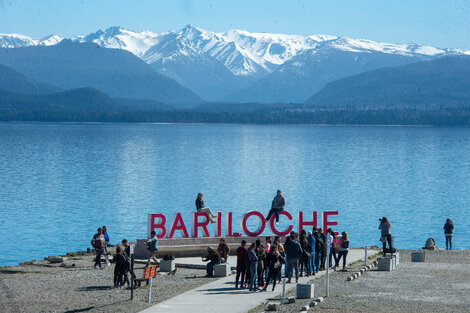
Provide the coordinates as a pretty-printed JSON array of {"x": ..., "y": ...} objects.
[
  {"x": 311, "y": 260},
  {"x": 106, "y": 239}
]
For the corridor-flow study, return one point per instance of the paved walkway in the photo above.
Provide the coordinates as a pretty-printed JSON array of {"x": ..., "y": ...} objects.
[{"x": 220, "y": 295}]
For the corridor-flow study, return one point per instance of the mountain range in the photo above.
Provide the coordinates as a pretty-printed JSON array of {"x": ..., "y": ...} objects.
[
  {"x": 432, "y": 85},
  {"x": 239, "y": 66},
  {"x": 117, "y": 73}
]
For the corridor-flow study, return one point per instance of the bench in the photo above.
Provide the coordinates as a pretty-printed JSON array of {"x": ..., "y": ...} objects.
[{"x": 149, "y": 272}]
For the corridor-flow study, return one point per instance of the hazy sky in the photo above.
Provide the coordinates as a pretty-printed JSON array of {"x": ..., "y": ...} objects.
[{"x": 443, "y": 23}]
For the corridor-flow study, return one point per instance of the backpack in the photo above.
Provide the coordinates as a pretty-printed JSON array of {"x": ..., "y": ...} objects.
[{"x": 345, "y": 244}]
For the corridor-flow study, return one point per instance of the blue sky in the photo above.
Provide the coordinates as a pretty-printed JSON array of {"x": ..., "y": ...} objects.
[{"x": 443, "y": 23}]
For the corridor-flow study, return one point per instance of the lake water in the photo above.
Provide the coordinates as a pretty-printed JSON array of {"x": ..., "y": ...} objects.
[{"x": 59, "y": 182}]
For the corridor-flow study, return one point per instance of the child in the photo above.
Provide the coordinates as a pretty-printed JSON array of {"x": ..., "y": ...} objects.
[{"x": 120, "y": 268}]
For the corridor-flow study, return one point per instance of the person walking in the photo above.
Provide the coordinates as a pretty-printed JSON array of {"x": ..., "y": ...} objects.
[
  {"x": 385, "y": 235},
  {"x": 242, "y": 252},
  {"x": 201, "y": 208},
  {"x": 213, "y": 258},
  {"x": 152, "y": 244},
  {"x": 343, "y": 250},
  {"x": 448, "y": 230},
  {"x": 311, "y": 260},
  {"x": 332, "y": 252},
  {"x": 223, "y": 249},
  {"x": 276, "y": 206},
  {"x": 106, "y": 239},
  {"x": 98, "y": 242},
  {"x": 294, "y": 252},
  {"x": 274, "y": 261},
  {"x": 253, "y": 265}
]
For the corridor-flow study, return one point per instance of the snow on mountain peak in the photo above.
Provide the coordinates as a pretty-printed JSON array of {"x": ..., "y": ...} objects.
[{"x": 240, "y": 51}]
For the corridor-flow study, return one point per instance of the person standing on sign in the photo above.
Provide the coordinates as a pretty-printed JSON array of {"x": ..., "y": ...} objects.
[
  {"x": 276, "y": 206},
  {"x": 201, "y": 208}
]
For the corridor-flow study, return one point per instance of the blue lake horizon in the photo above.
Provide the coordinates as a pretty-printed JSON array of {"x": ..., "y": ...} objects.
[{"x": 60, "y": 181}]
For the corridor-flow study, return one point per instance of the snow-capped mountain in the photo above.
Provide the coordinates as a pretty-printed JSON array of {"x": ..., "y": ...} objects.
[
  {"x": 241, "y": 66},
  {"x": 17, "y": 41}
]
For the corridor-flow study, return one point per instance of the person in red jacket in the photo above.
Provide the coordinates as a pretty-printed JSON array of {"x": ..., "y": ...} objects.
[{"x": 241, "y": 264}]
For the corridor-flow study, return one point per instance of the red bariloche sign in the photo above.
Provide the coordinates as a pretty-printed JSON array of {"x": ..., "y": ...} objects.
[{"x": 200, "y": 222}]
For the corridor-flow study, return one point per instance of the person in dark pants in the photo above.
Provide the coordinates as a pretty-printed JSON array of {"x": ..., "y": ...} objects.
[
  {"x": 305, "y": 253},
  {"x": 294, "y": 252},
  {"x": 120, "y": 268},
  {"x": 448, "y": 230},
  {"x": 98, "y": 242},
  {"x": 385, "y": 234},
  {"x": 324, "y": 253},
  {"x": 241, "y": 264},
  {"x": 127, "y": 256},
  {"x": 276, "y": 206},
  {"x": 274, "y": 261},
  {"x": 261, "y": 254},
  {"x": 106, "y": 242},
  {"x": 343, "y": 250},
  {"x": 318, "y": 249},
  {"x": 213, "y": 258},
  {"x": 253, "y": 265},
  {"x": 332, "y": 253}
]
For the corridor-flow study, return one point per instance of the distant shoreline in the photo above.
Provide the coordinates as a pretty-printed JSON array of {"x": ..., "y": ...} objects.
[{"x": 253, "y": 124}]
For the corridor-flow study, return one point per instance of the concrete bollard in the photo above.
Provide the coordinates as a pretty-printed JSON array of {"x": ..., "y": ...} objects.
[
  {"x": 313, "y": 304},
  {"x": 319, "y": 299},
  {"x": 305, "y": 291},
  {"x": 350, "y": 278},
  {"x": 222, "y": 270},
  {"x": 305, "y": 308}
]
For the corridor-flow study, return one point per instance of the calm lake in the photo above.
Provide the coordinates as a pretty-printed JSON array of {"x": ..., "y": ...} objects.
[{"x": 59, "y": 182}]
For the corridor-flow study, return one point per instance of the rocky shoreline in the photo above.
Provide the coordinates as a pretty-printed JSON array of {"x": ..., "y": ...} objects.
[{"x": 70, "y": 284}]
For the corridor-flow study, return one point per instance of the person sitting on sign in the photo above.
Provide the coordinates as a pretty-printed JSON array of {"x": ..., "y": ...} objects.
[
  {"x": 153, "y": 247},
  {"x": 276, "y": 206},
  {"x": 213, "y": 258},
  {"x": 201, "y": 208}
]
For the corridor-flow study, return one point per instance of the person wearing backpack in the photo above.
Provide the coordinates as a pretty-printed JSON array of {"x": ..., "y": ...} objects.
[
  {"x": 343, "y": 250},
  {"x": 305, "y": 253},
  {"x": 311, "y": 260},
  {"x": 274, "y": 261},
  {"x": 318, "y": 249},
  {"x": 98, "y": 242}
]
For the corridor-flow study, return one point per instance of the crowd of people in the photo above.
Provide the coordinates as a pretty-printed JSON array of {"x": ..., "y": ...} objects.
[{"x": 259, "y": 264}]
